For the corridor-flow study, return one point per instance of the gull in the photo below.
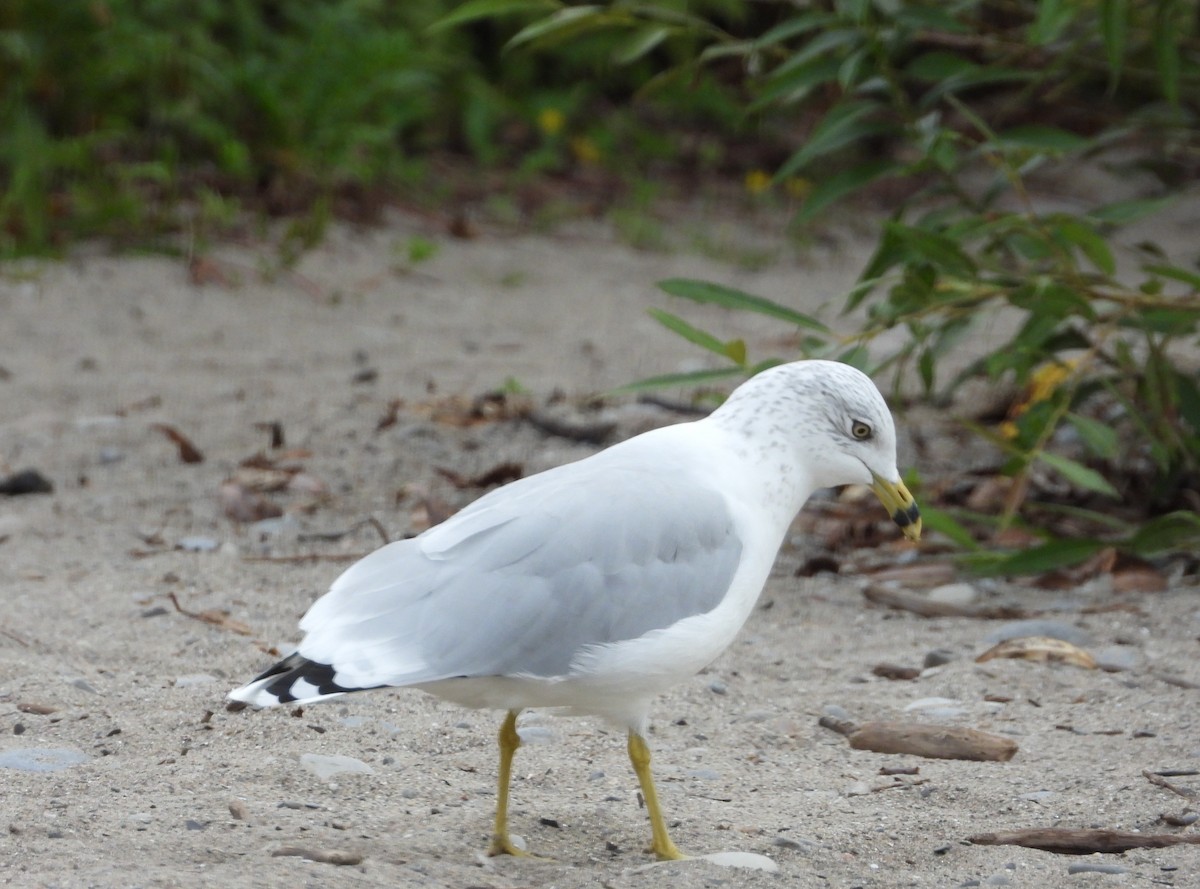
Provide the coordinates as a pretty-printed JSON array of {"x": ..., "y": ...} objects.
[{"x": 593, "y": 587}]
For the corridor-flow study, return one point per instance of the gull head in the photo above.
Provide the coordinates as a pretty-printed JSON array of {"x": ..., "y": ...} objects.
[{"x": 837, "y": 425}]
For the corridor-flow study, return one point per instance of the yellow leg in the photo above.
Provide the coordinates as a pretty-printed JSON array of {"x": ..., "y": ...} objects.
[
  {"x": 660, "y": 843},
  {"x": 509, "y": 742}
]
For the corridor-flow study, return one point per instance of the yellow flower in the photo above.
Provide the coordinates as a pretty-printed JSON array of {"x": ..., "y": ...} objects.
[
  {"x": 550, "y": 121},
  {"x": 757, "y": 181},
  {"x": 1043, "y": 383},
  {"x": 585, "y": 150}
]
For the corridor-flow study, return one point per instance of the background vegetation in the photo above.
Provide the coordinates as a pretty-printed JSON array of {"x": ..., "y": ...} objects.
[{"x": 130, "y": 119}]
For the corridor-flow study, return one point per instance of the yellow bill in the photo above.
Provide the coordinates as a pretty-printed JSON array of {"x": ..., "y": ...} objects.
[{"x": 900, "y": 505}]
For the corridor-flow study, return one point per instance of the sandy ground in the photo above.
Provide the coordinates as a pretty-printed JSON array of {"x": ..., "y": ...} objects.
[{"x": 144, "y": 779}]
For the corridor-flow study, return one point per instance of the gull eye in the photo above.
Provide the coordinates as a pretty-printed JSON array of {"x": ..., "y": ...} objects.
[{"x": 860, "y": 430}]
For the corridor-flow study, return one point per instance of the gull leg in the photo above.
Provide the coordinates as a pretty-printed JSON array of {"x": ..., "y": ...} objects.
[
  {"x": 660, "y": 843},
  {"x": 509, "y": 742}
]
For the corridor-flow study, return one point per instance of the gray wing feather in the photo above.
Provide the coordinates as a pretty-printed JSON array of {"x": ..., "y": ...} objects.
[{"x": 521, "y": 580}]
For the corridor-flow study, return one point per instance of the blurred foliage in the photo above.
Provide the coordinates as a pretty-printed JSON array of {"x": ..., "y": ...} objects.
[
  {"x": 129, "y": 118},
  {"x": 959, "y": 104},
  {"x": 116, "y": 111}
]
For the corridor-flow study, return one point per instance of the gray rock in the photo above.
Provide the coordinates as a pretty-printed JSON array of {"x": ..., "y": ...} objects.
[
  {"x": 325, "y": 766},
  {"x": 194, "y": 679},
  {"x": 837, "y": 712},
  {"x": 1055, "y": 629},
  {"x": 41, "y": 759},
  {"x": 937, "y": 657},
  {"x": 1116, "y": 658},
  {"x": 953, "y": 594},
  {"x": 1087, "y": 868},
  {"x": 197, "y": 544}
]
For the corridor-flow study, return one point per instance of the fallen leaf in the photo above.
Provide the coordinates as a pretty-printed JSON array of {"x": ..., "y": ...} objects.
[
  {"x": 500, "y": 474},
  {"x": 188, "y": 452},
  {"x": 1043, "y": 649}
]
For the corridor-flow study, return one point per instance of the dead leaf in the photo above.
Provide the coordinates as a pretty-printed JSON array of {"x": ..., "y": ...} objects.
[
  {"x": 188, "y": 452},
  {"x": 216, "y": 618},
  {"x": 1042, "y": 649},
  {"x": 500, "y": 474},
  {"x": 391, "y": 415}
]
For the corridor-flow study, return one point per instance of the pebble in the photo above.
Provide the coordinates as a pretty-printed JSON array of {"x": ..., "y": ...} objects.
[
  {"x": 83, "y": 685},
  {"x": 325, "y": 765},
  {"x": 1055, "y": 629},
  {"x": 41, "y": 759},
  {"x": 536, "y": 734},
  {"x": 717, "y": 687},
  {"x": 937, "y": 708},
  {"x": 953, "y": 594},
  {"x": 937, "y": 657},
  {"x": 836, "y": 711},
  {"x": 858, "y": 788},
  {"x": 108, "y": 456},
  {"x": 194, "y": 679},
  {"x": 1086, "y": 868},
  {"x": 192, "y": 824},
  {"x": 746, "y": 860},
  {"x": 1116, "y": 658},
  {"x": 998, "y": 880},
  {"x": 197, "y": 544}
]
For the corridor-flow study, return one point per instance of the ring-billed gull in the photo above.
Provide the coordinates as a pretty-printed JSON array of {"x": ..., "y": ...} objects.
[{"x": 593, "y": 587}]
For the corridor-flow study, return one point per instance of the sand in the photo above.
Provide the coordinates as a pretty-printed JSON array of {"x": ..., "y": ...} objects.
[{"x": 143, "y": 778}]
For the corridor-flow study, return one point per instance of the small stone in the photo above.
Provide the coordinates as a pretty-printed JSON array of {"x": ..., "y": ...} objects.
[
  {"x": 858, "y": 788},
  {"x": 937, "y": 657},
  {"x": 717, "y": 687},
  {"x": 192, "y": 824},
  {"x": 953, "y": 594},
  {"x": 409, "y": 793},
  {"x": 1088, "y": 868},
  {"x": 41, "y": 759},
  {"x": 1116, "y": 659},
  {"x": 836, "y": 711},
  {"x": 325, "y": 766},
  {"x": 1055, "y": 629},
  {"x": 194, "y": 679},
  {"x": 83, "y": 685},
  {"x": 745, "y": 860},
  {"x": 18, "y": 728},
  {"x": 238, "y": 810},
  {"x": 197, "y": 544},
  {"x": 535, "y": 734},
  {"x": 156, "y": 611},
  {"x": 998, "y": 880}
]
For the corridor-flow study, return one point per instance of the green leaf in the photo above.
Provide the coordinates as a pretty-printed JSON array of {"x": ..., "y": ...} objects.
[
  {"x": 925, "y": 365},
  {"x": 1175, "y": 273},
  {"x": 1166, "y": 50},
  {"x": 1038, "y": 559},
  {"x": 564, "y": 23},
  {"x": 1114, "y": 30},
  {"x": 833, "y": 188},
  {"x": 1123, "y": 212},
  {"x": 844, "y": 124},
  {"x": 692, "y": 334},
  {"x": 1173, "y": 531},
  {"x": 935, "y": 67},
  {"x": 1099, "y": 437},
  {"x": 794, "y": 27},
  {"x": 642, "y": 41},
  {"x": 486, "y": 9},
  {"x": 1052, "y": 17},
  {"x": 938, "y": 250},
  {"x": 941, "y": 522},
  {"x": 1037, "y": 137},
  {"x": 1089, "y": 242},
  {"x": 731, "y": 298},
  {"x": 689, "y": 379},
  {"x": 1077, "y": 474}
]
